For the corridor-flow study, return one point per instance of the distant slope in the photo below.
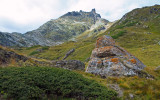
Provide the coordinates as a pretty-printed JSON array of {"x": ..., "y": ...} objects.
[
  {"x": 15, "y": 40},
  {"x": 56, "y": 31}
]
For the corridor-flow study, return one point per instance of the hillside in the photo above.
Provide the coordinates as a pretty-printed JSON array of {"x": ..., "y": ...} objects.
[
  {"x": 9, "y": 58},
  {"x": 15, "y": 40},
  {"x": 139, "y": 32}
]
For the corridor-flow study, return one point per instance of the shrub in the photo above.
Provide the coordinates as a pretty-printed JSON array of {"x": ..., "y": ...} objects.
[
  {"x": 37, "y": 82},
  {"x": 45, "y": 48}
]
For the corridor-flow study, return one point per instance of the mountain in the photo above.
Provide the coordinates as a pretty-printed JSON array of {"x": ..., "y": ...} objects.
[
  {"x": 15, "y": 40},
  {"x": 57, "y": 31}
]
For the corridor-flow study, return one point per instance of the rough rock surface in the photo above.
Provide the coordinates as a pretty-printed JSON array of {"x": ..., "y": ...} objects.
[
  {"x": 107, "y": 59},
  {"x": 66, "y": 64},
  {"x": 7, "y": 57},
  {"x": 70, "y": 64}
]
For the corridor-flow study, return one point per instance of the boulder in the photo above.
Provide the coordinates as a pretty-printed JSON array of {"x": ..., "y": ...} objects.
[{"x": 107, "y": 59}]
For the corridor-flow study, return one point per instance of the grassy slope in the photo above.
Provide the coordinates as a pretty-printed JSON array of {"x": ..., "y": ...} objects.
[
  {"x": 142, "y": 34},
  {"x": 82, "y": 50}
]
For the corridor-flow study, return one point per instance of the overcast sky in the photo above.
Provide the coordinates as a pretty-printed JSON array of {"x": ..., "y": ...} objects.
[{"x": 26, "y": 15}]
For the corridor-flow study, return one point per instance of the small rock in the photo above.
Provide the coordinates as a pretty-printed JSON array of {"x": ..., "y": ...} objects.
[
  {"x": 159, "y": 42},
  {"x": 131, "y": 96},
  {"x": 157, "y": 68},
  {"x": 116, "y": 88},
  {"x": 149, "y": 33}
]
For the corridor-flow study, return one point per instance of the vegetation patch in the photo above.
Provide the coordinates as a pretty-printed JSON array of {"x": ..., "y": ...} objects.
[
  {"x": 121, "y": 33},
  {"x": 27, "y": 83},
  {"x": 33, "y": 53},
  {"x": 45, "y": 48}
]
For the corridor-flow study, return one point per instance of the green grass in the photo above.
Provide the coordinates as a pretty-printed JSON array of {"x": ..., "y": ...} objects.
[
  {"x": 33, "y": 53},
  {"x": 45, "y": 48},
  {"x": 83, "y": 50},
  {"x": 116, "y": 36},
  {"x": 141, "y": 88},
  {"x": 37, "y": 82}
]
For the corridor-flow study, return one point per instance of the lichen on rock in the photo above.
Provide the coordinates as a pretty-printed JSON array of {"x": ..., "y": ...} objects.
[{"x": 108, "y": 59}]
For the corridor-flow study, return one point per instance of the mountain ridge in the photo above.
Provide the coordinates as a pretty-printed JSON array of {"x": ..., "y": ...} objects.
[{"x": 56, "y": 31}]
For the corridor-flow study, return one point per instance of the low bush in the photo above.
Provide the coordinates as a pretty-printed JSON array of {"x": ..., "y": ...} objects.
[
  {"x": 45, "y": 48},
  {"x": 27, "y": 83}
]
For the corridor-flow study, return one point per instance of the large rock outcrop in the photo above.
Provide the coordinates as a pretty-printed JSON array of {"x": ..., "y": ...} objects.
[
  {"x": 10, "y": 57},
  {"x": 107, "y": 59}
]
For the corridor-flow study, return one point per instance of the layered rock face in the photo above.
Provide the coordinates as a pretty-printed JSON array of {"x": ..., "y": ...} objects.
[
  {"x": 7, "y": 57},
  {"x": 66, "y": 64},
  {"x": 107, "y": 59}
]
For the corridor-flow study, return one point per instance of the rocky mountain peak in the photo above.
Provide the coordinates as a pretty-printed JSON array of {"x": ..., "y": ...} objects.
[
  {"x": 93, "y": 10},
  {"x": 83, "y": 14}
]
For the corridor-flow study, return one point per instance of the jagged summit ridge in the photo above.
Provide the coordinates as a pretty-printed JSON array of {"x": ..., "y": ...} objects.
[{"x": 82, "y": 13}]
